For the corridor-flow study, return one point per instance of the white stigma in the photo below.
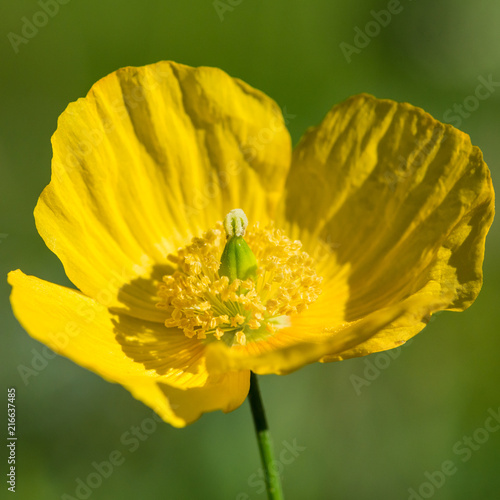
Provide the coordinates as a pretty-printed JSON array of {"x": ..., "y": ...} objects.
[{"x": 235, "y": 223}]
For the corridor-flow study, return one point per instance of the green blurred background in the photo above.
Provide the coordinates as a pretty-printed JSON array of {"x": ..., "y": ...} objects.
[{"x": 369, "y": 441}]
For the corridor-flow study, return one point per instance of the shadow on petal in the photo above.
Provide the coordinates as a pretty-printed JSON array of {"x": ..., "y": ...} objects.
[
  {"x": 142, "y": 292},
  {"x": 163, "y": 351}
]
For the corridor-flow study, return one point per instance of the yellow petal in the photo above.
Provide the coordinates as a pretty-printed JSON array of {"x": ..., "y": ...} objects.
[
  {"x": 159, "y": 366},
  {"x": 225, "y": 392},
  {"x": 393, "y": 204},
  {"x": 151, "y": 157},
  {"x": 294, "y": 347}
]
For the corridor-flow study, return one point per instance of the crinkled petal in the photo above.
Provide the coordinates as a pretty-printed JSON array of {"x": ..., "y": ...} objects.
[
  {"x": 159, "y": 366},
  {"x": 151, "y": 157},
  {"x": 303, "y": 343},
  {"x": 392, "y": 204}
]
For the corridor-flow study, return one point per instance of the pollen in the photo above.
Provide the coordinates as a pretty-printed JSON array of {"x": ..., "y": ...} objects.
[{"x": 208, "y": 307}]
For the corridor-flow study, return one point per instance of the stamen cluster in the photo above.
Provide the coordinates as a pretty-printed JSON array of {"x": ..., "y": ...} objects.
[{"x": 206, "y": 306}]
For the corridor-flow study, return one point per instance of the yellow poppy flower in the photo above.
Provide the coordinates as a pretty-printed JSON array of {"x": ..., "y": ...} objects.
[{"x": 375, "y": 221}]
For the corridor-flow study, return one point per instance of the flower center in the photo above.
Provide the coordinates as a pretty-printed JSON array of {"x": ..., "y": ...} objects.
[{"x": 205, "y": 304}]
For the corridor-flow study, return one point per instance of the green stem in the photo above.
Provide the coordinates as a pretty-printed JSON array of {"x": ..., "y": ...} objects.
[{"x": 273, "y": 483}]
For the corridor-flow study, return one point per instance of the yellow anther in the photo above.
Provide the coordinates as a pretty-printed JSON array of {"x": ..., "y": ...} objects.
[
  {"x": 253, "y": 324},
  {"x": 237, "y": 320},
  {"x": 270, "y": 327},
  {"x": 241, "y": 338}
]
